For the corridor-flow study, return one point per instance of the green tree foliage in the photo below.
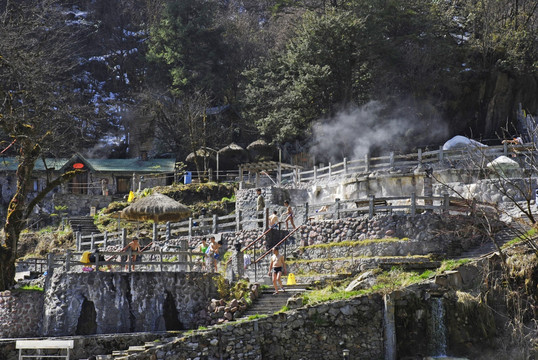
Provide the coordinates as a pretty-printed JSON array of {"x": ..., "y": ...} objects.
[
  {"x": 188, "y": 44},
  {"x": 322, "y": 68}
]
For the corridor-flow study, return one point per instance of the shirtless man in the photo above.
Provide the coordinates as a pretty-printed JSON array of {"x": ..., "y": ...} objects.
[{"x": 276, "y": 268}]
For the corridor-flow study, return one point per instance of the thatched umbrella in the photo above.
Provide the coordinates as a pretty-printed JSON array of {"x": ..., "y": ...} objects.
[
  {"x": 232, "y": 155},
  {"x": 259, "y": 150},
  {"x": 156, "y": 207}
]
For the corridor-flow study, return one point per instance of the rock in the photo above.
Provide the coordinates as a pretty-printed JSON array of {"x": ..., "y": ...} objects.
[
  {"x": 363, "y": 281},
  {"x": 390, "y": 232}
]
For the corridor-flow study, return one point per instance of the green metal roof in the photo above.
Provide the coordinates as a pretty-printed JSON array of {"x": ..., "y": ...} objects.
[{"x": 100, "y": 165}]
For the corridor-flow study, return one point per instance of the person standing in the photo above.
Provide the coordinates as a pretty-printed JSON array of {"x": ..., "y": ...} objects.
[
  {"x": 260, "y": 206},
  {"x": 289, "y": 214},
  {"x": 135, "y": 248},
  {"x": 276, "y": 268}
]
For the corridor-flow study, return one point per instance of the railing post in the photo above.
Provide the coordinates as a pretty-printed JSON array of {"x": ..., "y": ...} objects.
[
  {"x": 315, "y": 172},
  {"x": 330, "y": 170},
  {"x": 367, "y": 162},
  {"x": 446, "y": 202},
  {"x": 391, "y": 157},
  {"x": 67, "y": 260},
  {"x": 79, "y": 240},
  {"x": 168, "y": 231},
  {"x": 265, "y": 218},
  {"x": 345, "y": 166},
  {"x": 155, "y": 234},
  {"x": 161, "y": 257},
  {"x": 371, "y": 210},
  {"x": 190, "y": 227},
  {"x": 441, "y": 153},
  {"x": 215, "y": 228},
  {"x": 279, "y": 176},
  {"x": 50, "y": 263},
  {"x": 130, "y": 259},
  {"x": 105, "y": 240},
  {"x": 92, "y": 242},
  {"x": 337, "y": 209},
  {"x": 124, "y": 237},
  {"x": 419, "y": 155},
  {"x": 413, "y": 203},
  {"x": 237, "y": 220},
  {"x": 305, "y": 213},
  {"x": 298, "y": 175}
]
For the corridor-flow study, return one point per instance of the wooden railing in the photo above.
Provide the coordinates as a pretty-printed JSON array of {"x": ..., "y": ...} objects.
[
  {"x": 368, "y": 164},
  {"x": 180, "y": 260},
  {"x": 163, "y": 232}
]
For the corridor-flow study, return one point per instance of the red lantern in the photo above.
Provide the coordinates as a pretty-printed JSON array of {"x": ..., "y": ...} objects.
[{"x": 78, "y": 165}]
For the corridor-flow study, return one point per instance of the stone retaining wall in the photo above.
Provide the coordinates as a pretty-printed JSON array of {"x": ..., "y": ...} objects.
[
  {"x": 102, "y": 302},
  {"x": 20, "y": 313},
  {"x": 313, "y": 333}
]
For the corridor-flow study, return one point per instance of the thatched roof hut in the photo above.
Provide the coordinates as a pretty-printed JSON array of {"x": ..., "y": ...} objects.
[
  {"x": 259, "y": 150},
  {"x": 204, "y": 154},
  {"x": 231, "y": 156},
  {"x": 156, "y": 207}
]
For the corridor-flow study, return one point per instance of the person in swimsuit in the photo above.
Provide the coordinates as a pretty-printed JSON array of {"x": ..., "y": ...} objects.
[
  {"x": 203, "y": 250},
  {"x": 135, "y": 247},
  {"x": 276, "y": 268},
  {"x": 214, "y": 251},
  {"x": 289, "y": 214}
]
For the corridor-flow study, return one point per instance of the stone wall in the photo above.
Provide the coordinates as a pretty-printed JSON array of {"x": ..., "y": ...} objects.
[
  {"x": 80, "y": 204},
  {"x": 103, "y": 302},
  {"x": 20, "y": 313},
  {"x": 313, "y": 333}
]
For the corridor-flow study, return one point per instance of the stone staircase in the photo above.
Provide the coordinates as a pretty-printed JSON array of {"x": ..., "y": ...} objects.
[
  {"x": 124, "y": 354},
  {"x": 502, "y": 237},
  {"x": 84, "y": 224},
  {"x": 269, "y": 303}
]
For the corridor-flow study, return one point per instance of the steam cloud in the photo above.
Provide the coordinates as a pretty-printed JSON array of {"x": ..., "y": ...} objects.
[{"x": 376, "y": 127}]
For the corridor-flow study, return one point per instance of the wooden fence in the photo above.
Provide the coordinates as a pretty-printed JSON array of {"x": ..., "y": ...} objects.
[
  {"x": 367, "y": 164},
  {"x": 153, "y": 260}
]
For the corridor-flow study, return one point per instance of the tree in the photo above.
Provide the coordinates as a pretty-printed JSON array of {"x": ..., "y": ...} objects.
[
  {"x": 322, "y": 68},
  {"x": 188, "y": 45},
  {"x": 40, "y": 111}
]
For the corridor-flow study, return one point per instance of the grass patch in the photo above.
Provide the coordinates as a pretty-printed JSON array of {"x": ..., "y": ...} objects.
[
  {"x": 310, "y": 261},
  {"x": 30, "y": 288},
  {"x": 522, "y": 238},
  {"x": 387, "y": 282},
  {"x": 353, "y": 243},
  {"x": 448, "y": 265},
  {"x": 256, "y": 316},
  {"x": 282, "y": 309}
]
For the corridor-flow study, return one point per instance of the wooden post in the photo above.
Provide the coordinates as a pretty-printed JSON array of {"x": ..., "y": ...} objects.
[
  {"x": 105, "y": 240},
  {"x": 67, "y": 260},
  {"x": 190, "y": 227},
  {"x": 337, "y": 209},
  {"x": 215, "y": 228},
  {"x": 161, "y": 257},
  {"x": 266, "y": 218},
  {"x": 50, "y": 263},
  {"x": 237, "y": 220},
  {"x": 371, "y": 210},
  {"x": 79, "y": 240},
  {"x": 446, "y": 203},
  {"x": 345, "y": 166},
  {"x": 441, "y": 153},
  {"x": 330, "y": 170},
  {"x": 130, "y": 258},
  {"x": 298, "y": 175},
  {"x": 413, "y": 203},
  {"x": 391, "y": 157},
  {"x": 419, "y": 155},
  {"x": 305, "y": 213},
  {"x": 315, "y": 172},
  {"x": 367, "y": 162},
  {"x": 257, "y": 179},
  {"x": 168, "y": 231},
  {"x": 240, "y": 176},
  {"x": 279, "y": 176},
  {"x": 155, "y": 234},
  {"x": 124, "y": 237},
  {"x": 92, "y": 242}
]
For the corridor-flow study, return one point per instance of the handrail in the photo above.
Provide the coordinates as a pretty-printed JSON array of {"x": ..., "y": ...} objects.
[
  {"x": 258, "y": 239},
  {"x": 278, "y": 244}
]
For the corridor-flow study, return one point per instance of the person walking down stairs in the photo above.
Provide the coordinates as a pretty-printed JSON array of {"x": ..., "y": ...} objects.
[{"x": 276, "y": 268}]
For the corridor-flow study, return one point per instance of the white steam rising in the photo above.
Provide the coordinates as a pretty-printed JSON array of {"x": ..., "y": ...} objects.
[{"x": 354, "y": 132}]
